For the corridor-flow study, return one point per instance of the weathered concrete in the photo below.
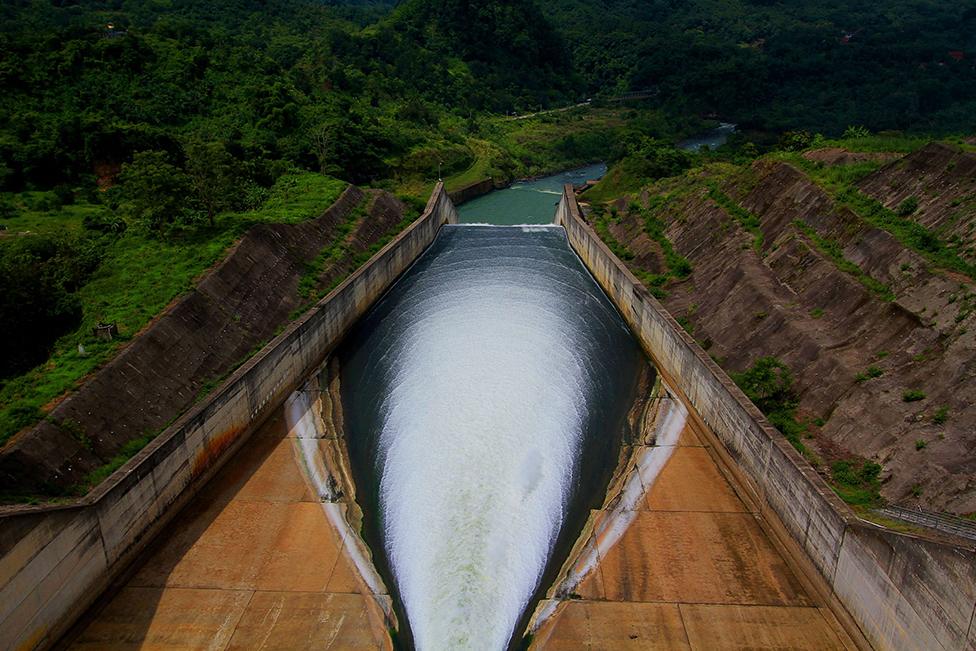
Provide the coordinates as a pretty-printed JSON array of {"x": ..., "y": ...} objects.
[
  {"x": 55, "y": 560},
  {"x": 675, "y": 559},
  {"x": 899, "y": 591},
  {"x": 252, "y": 562},
  {"x": 472, "y": 191}
]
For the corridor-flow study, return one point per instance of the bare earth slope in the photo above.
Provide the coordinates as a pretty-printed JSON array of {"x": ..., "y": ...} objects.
[
  {"x": 833, "y": 296},
  {"x": 203, "y": 336}
]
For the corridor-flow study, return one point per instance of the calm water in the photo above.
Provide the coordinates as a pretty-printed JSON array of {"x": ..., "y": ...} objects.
[{"x": 526, "y": 202}]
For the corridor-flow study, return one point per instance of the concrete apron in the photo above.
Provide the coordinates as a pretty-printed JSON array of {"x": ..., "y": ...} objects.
[
  {"x": 265, "y": 557},
  {"x": 676, "y": 560}
]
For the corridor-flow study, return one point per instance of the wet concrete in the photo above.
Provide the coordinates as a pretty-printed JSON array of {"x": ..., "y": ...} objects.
[{"x": 252, "y": 563}]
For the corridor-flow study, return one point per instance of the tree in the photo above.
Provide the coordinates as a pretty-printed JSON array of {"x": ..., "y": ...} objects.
[
  {"x": 213, "y": 176},
  {"x": 153, "y": 190},
  {"x": 38, "y": 303}
]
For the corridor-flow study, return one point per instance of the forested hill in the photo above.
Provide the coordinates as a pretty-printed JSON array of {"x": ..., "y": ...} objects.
[
  {"x": 90, "y": 83},
  {"x": 785, "y": 64}
]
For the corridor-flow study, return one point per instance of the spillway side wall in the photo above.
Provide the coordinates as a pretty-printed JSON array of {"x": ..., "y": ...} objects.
[
  {"x": 56, "y": 560},
  {"x": 901, "y": 591}
]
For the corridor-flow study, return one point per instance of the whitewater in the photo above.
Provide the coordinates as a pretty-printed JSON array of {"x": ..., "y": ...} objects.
[{"x": 482, "y": 393}]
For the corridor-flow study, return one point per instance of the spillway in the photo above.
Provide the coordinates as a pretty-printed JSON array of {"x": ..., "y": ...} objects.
[{"x": 484, "y": 398}]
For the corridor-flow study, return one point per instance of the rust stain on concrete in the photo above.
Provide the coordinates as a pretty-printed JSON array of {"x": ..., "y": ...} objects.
[
  {"x": 253, "y": 562},
  {"x": 213, "y": 451}
]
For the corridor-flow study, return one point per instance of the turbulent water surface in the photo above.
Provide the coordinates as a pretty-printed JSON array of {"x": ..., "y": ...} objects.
[{"x": 484, "y": 397}]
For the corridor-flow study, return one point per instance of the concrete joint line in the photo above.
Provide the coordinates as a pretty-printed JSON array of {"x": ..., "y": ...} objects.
[{"x": 972, "y": 621}]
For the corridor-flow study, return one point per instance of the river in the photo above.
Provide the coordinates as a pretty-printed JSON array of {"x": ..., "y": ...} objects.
[
  {"x": 713, "y": 138},
  {"x": 484, "y": 398},
  {"x": 526, "y": 202}
]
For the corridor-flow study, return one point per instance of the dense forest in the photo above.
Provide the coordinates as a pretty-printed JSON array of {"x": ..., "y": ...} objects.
[
  {"x": 777, "y": 65},
  {"x": 137, "y": 125}
]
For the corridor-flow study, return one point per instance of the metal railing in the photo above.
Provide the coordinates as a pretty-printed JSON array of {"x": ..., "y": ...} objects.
[{"x": 940, "y": 521}]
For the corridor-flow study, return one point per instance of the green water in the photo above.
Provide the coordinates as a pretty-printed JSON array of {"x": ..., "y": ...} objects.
[{"x": 526, "y": 202}]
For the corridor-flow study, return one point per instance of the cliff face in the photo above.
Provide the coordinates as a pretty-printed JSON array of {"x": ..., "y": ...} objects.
[
  {"x": 236, "y": 307},
  {"x": 832, "y": 295}
]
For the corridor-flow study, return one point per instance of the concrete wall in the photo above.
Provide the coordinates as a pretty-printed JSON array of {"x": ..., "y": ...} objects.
[
  {"x": 900, "y": 591},
  {"x": 472, "y": 191},
  {"x": 56, "y": 560}
]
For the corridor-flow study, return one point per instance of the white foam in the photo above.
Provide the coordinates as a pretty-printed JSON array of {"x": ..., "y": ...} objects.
[{"x": 480, "y": 436}]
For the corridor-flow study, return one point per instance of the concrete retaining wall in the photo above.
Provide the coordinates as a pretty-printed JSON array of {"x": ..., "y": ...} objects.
[
  {"x": 472, "y": 191},
  {"x": 900, "y": 591},
  {"x": 56, "y": 560}
]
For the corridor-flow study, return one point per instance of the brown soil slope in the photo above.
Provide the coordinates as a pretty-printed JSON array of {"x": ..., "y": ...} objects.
[
  {"x": 943, "y": 181},
  {"x": 829, "y": 321},
  {"x": 238, "y": 306}
]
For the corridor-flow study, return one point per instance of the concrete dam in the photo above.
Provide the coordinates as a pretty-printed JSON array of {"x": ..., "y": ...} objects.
[{"x": 486, "y": 437}]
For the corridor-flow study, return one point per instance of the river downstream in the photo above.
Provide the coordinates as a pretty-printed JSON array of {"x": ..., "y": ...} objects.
[{"x": 484, "y": 399}]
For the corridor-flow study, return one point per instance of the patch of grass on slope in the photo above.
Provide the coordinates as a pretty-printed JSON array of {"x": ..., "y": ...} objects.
[
  {"x": 139, "y": 276},
  {"x": 839, "y": 181}
]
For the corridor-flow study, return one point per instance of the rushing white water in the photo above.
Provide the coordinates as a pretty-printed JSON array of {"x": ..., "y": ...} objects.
[{"x": 488, "y": 360}]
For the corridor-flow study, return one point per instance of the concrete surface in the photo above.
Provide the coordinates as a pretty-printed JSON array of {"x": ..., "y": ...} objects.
[
  {"x": 693, "y": 569},
  {"x": 252, "y": 563},
  {"x": 56, "y": 560},
  {"x": 888, "y": 590}
]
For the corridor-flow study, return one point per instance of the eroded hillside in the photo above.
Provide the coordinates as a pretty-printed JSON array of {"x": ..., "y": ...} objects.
[{"x": 855, "y": 271}]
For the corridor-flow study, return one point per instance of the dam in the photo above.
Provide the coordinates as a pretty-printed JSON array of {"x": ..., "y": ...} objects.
[{"x": 487, "y": 437}]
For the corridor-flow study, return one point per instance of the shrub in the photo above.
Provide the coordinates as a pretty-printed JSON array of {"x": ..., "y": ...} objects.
[
  {"x": 857, "y": 483},
  {"x": 941, "y": 415},
  {"x": 921, "y": 444},
  {"x": 913, "y": 395},
  {"x": 907, "y": 207}
]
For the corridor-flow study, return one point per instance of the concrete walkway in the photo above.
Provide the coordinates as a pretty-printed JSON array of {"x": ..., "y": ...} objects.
[
  {"x": 694, "y": 570},
  {"x": 251, "y": 563}
]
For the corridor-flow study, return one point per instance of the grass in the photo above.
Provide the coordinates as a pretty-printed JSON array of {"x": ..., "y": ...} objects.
[
  {"x": 857, "y": 482},
  {"x": 839, "y": 181},
  {"x": 913, "y": 395},
  {"x": 871, "y": 373},
  {"x": 677, "y": 266},
  {"x": 746, "y": 219},
  {"x": 307, "y": 284},
  {"x": 139, "y": 276},
  {"x": 941, "y": 416},
  {"x": 833, "y": 251}
]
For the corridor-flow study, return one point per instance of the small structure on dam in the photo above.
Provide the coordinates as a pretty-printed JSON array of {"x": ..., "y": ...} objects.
[{"x": 521, "y": 476}]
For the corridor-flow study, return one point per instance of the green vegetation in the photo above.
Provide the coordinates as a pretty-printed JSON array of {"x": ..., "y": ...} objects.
[
  {"x": 768, "y": 383},
  {"x": 839, "y": 182},
  {"x": 857, "y": 483},
  {"x": 652, "y": 219},
  {"x": 921, "y": 444},
  {"x": 778, "y": 66},
  {"x": 907, "y": 207},
  {"x": 833, "y": 251},
  {"x": 913, "y": 395},
  {"x": 746, "y": 219},
  {"x": 941, "y": 415},
  {"x": 124, "y": 278},
  {"x": 871, "y": 373}
]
